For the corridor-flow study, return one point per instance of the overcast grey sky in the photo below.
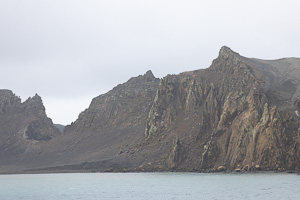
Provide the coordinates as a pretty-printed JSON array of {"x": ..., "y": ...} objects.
[{"x": 69, "y": 51}]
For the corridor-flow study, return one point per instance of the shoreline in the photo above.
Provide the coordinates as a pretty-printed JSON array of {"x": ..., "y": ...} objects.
[{"x": 296, "y": 172}]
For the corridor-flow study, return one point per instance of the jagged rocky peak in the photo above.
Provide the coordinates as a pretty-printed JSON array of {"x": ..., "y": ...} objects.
[
  {"x": 226, "y": 54},
  {"x": 177, "y": 94},
  {"x": 7, "y": 98},
  {"x": 34, "y": 105},
  {"x": 149, "y": 76},
  {"x": 227, "y": 111},
  {"x": 125, "y": 104},
  {"x": 5, "y": 93},
  {"x": 226, "y": 51},
  {"x": 36, "y": 98},
  {"x": 35, "y": 101},
  {"x": 27, "y": 119},
  {"x": 227, "y": 60}
]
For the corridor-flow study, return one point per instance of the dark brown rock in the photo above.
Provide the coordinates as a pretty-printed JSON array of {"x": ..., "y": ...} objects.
[
  {"x": 126, "y": 105},
  {"x": 237, "y": 112},
  {"x": 23, "y": 126},
  {"x": 240, "y": 114},
  {"x": 103, "y": 133},
  {"x": 27, "y": 120}
]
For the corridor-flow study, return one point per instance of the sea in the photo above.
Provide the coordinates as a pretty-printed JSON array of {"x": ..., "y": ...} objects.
[{"x": 157, "y": 186}]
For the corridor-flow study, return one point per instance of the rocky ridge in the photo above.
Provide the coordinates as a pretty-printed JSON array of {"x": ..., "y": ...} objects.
[
  {"x": 229, "y": 116},
  {"x": 23, "y": 125},
  {"x": 28, "y": 119},
  {"x": 124, "y": 106},
  {"x": 101, "y": 136},
  {"x": 240, "y": 114}
]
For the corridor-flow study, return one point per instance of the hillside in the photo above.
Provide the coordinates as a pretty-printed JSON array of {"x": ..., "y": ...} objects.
[
  {"x": 240, "y": 114},
  {"x": 23, "y": 125}
]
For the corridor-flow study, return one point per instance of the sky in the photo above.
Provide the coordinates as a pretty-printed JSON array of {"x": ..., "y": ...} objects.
[{"x": 70, "y": 51}]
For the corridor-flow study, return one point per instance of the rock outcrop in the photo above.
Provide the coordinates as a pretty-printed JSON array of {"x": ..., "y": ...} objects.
[
  {"x": 23, "y": 127},
  {"x": 107, "y": 128},
  {"x": 27, "y": 120},
  {"x": 239, "y": 112},
  {"x": 126, "y": 105}
]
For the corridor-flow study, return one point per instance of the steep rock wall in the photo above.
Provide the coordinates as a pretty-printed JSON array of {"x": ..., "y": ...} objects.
[{"x": 224, "y": 116}]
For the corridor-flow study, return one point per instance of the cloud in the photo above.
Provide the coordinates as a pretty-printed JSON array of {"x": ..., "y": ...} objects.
[{"x": 75, "y": 49}]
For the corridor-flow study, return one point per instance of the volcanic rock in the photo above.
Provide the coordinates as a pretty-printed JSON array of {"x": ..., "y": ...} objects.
[
  {"x": 101, "y": 136},
  {"x": 238, "y": 112},
  {"x": 27, "y": 120},
  {"x": 22, "y": 127}
]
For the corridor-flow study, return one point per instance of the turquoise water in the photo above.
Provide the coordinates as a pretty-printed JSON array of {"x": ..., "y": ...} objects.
[{"x": 158, "y": 186}]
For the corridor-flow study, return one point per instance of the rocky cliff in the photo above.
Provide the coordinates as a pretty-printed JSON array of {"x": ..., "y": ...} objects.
[
  {"x": 106, "y": 129},
  {"x": 22, "y": 126},
  {"x": 27, "y": 119},
  {"x": 124, "y": 106},
  {"x": 239, "y": 113}
]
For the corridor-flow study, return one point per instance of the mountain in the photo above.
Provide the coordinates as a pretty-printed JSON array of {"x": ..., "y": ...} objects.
[
  {"x": 239, "y": 114},
  {"x": 22, "y": 126},
  {"x": 25, "y": 120},
  {"x": 124, "y": 106},
  {"x": 103, "y": 131},
  {"x": 60, "y": 127},
  {"x": 111, "y": 123}
]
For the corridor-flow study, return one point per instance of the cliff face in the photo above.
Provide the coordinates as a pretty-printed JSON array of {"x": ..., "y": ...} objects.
[
  {"x": 101, "y": 133},
  {"x": 27, "y": 120},
  {"x": 23, "y": 126},
  {"x": 124, "y": 106},
  {"x": 107, "y": 128},
  {"x": 238, "y": 114},
  {"x": 229, "y": 115}
]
